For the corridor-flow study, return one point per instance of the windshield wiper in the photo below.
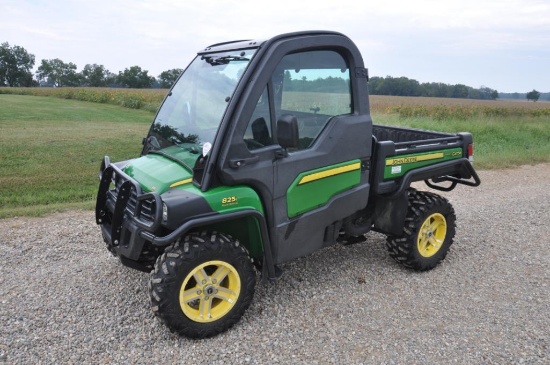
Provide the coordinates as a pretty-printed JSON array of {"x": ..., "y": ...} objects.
[{"x": 223, "y": 60}]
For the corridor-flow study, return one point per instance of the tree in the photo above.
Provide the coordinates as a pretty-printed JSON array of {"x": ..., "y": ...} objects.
[
  {"x": 407, "y": 87},
  {"x": 533, "y": 95},
  {"x": 436, "y": 89},
  {"x": 96, "y": 76},
  {"x": 135, "y": 78},
  {"x": 15, "y": 66},
  {"x": 58, "y": 73},
  {"x": 167, "y": 78},
  {"x": 459, "y": 91},
  {"x": 487, "y": 93}
]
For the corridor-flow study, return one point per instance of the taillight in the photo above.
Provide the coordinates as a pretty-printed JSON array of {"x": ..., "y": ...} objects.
[{"x": 471, "y": 152}]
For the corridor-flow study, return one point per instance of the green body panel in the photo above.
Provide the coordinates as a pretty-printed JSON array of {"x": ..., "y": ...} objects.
[
  {"x": 397, "y": 166},
  {"x": 247, "y": 231},
  {"x": 156, "y": 172},
  {"x": 314, "y": 188},
  {"x": 228, "y": 199}
]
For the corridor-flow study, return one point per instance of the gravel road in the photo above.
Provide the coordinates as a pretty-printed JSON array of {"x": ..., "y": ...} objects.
[{"x": 64, "y": 299}]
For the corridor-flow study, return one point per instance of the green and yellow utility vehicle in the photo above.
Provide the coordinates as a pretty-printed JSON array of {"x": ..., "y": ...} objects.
[{"x": 262, "y": 152}]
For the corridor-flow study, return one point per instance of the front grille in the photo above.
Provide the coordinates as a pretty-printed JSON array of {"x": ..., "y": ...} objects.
[{"x": 148, "y": 207}]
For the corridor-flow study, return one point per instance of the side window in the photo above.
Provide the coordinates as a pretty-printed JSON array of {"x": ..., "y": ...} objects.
[
  {"x": 314, "y": 86},
  {"x": 258, "y": 133}
]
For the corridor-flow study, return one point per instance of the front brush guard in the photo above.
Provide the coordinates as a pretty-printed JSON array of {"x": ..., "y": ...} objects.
[{"x": 118, "y": 207}]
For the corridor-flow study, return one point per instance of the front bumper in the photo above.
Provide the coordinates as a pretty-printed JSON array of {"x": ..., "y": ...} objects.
[{"x": 124, "y": 212}]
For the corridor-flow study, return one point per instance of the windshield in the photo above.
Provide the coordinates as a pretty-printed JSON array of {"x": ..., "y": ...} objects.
[{"x": 189, "y": 119}]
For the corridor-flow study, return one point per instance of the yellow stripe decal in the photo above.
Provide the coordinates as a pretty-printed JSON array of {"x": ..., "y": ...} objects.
[
  {"x": 413, "y": 159},
  {"x": 328, "y": 173},
  {"x": 182, "y": 182}
]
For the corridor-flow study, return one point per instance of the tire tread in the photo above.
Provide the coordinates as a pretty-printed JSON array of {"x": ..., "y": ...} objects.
[
  {"x": 403, "y": 249},
  {"x": 165, "y": 281}
]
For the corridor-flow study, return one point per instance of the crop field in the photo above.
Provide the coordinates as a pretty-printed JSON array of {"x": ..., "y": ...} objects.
[
  {"x": 403, "y": 106},
  {"x": 448, "y": 108},
  {"x": 51, "y": 147},
  {"x": 147, "y": 99},
  {"x": 506, "y": 133},
  {"x": 499, "y": 142}
]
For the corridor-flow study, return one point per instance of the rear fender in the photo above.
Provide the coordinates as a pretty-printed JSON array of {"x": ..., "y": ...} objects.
[{"x": 390, "y": 213}]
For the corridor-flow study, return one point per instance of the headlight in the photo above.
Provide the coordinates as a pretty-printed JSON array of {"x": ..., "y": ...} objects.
[{"x": 164, "y": 213}]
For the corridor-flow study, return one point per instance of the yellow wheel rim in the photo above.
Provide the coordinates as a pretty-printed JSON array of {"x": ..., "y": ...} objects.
[
  {"x": 210, "y": 291},
  {"x": 432, "y": 235}
]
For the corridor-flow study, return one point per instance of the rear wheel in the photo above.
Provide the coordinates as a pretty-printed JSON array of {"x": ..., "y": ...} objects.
[
  {"x": 428, "y": 233},
  {"x": 202, "y": 286}
]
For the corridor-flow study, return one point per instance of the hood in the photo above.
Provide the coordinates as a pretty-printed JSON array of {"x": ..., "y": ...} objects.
[{"x": 157, "y": 173}]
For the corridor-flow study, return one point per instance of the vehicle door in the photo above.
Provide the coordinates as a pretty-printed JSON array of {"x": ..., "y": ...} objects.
[{"x": 307, "y": 189}]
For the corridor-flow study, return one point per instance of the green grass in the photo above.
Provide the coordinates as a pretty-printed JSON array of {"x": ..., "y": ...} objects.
[
  {"x": 499, "y": 142},
  {"x": 51, "y": 150}
]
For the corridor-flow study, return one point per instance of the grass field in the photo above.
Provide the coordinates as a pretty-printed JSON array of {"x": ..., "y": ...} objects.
[{"x": 51, "y": 148}]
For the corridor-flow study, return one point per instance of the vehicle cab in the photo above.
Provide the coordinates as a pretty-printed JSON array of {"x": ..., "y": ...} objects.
[{"x": 278, "y": 128}]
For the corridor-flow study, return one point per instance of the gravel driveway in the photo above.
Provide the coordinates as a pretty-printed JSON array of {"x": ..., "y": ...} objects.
[{"x": 64, "y": 299}]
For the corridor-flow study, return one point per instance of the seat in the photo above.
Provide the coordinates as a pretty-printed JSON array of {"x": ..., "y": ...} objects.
[{"x": 260, "y": 132}]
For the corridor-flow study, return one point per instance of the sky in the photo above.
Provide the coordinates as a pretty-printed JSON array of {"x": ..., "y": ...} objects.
[{"x": 504, "y": 44}]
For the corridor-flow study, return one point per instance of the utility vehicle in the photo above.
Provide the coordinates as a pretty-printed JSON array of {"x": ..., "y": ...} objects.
[{"x": 262, "y": 152}]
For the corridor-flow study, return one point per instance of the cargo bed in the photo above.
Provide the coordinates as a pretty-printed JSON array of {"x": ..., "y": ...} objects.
[{"x": 405, "y": 155}]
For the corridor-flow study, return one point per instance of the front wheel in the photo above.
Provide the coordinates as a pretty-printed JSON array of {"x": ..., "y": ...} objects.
[
  {"x": 428, "y": 233},
  {"x": 202, "y": 286}
]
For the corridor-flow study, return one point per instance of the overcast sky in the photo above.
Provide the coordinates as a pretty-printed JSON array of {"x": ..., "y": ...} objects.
[{"x": 502, "y": 44}]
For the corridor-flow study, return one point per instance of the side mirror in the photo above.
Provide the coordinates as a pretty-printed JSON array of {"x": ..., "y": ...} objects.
[{"x": 287, "y": 131}]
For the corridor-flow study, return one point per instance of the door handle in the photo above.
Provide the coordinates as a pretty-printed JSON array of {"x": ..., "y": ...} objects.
[{"x": 236, "y": 163}]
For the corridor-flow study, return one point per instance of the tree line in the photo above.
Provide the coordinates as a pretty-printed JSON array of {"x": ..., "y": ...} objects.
[
  {"x": 395, "y": 86},
  {"x": 403, "y": 86},
  {"x": 533, "y": 95},
  {"x": 16, "y": 65}
]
